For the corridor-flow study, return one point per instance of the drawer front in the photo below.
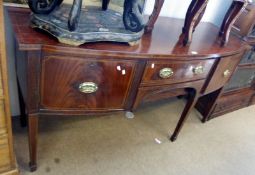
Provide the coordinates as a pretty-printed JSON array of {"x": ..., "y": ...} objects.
[
  {"x": 74, "y": 83},
  {"x": 233, "y": 101},
  {"x": 158, "y": 72},
  {"x": 222, "y": 73}
]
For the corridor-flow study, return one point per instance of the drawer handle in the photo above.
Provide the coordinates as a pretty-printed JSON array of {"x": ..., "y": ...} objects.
[
  {"x": 88, "y": 87},
  {"x": 166, "y": 72},
  {"x": 198, "y": 70},
  {"x": 226, "y": 73}
]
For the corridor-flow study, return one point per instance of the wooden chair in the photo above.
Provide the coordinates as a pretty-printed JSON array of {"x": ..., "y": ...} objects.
[{"x": 231, "y": 16}]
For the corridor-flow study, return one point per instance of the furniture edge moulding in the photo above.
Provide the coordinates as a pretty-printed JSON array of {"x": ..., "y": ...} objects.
[{"x": 79, "y": 52}]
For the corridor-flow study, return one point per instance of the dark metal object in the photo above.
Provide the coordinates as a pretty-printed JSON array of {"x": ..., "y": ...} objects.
[
  {"x": 74, "y": 15},
  {"x": 43, "y": 6},
  {"x": 132, "y": 15},
  {"x": 92, "y": 26}
]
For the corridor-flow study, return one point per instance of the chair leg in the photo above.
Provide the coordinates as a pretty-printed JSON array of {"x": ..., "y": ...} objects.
[
  {"x": 192, "y": 99},
  {"x": 32, "y": 136},
  {"x": 154, "y": 16},
  {"x": 193, "y": 17},
  {"x": 231, "y": 16}
]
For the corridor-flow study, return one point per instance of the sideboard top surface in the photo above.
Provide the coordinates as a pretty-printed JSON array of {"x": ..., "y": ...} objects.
[{"x": 163, "y": 42}]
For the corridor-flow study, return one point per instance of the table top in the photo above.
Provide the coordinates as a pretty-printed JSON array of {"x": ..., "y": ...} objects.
[{"x": 163, "y": 42}]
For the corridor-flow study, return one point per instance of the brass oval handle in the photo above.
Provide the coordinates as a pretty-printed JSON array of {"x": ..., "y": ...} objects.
[
  {"x": 226, "y": 73},
  {"x": 198, "y": 70},
  {"x": 166, "y": 72},
  {"x": 88, "y": 87}
]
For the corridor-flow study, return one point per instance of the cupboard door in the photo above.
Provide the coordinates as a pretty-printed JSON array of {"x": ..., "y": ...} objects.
[
  {"x": 222, "y": 73},
  {"x": 85, "y": 84}
]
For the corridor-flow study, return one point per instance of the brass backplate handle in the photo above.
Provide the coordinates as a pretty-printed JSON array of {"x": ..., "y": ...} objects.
[
  {"x": 198, "y": 70},
  {"x": 166, "y": 72},
  {"x": 88, "y": 87},
  {"x": 226, "y": 73}
]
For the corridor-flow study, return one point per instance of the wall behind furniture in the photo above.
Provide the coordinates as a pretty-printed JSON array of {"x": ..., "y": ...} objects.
[
  {"x": 173, "y": 8},
  {"x": 215, "y": 11}
]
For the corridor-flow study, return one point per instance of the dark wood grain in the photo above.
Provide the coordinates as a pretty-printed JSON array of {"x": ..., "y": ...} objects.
[
  {"x": 50, "y": 73},
  {"x": 61, "y": 77},
  {"x": 32, "y": 136},
  {"x": 183, "y": 71},
  {"x": 232, "y": 101},
  {"x": 33, "y": 74},
  {"x": 154, "y": 93},
  {"x": 226, "y": 63}
]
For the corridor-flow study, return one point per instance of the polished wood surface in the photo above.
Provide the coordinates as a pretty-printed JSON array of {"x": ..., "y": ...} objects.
[
  {"x": 161, "y": 43},
  {"x": 120, "y": 77},
  {"x": 7, "y": 157},
  {"x": 232, "y": 101},
  {"x": 61, "y": 77},
  {"x": 228, "y": 64}
]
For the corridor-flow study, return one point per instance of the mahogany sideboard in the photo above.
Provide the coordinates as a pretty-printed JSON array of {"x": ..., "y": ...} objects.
[
  {"x": 97, "y": 78},
  {"x": 8, "y": 164}
]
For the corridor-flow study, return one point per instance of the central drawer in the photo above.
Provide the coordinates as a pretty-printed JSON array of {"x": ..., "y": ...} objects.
[
  {"x": 85, "y": 84},
  {"x": 162, "y": 72}
]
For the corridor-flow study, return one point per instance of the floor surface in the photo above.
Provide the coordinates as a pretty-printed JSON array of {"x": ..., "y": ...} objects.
[{"x": 115, "y": 145}]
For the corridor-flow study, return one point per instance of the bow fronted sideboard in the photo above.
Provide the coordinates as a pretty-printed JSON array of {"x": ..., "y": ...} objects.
[{"x": 99, "y": 78}]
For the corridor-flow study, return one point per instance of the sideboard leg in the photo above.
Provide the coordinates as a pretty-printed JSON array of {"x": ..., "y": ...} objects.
[
  {"x": 23, "y": 115},
  {"x": 32, "y": 136},
  {"x": 192, "y": 99}
]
